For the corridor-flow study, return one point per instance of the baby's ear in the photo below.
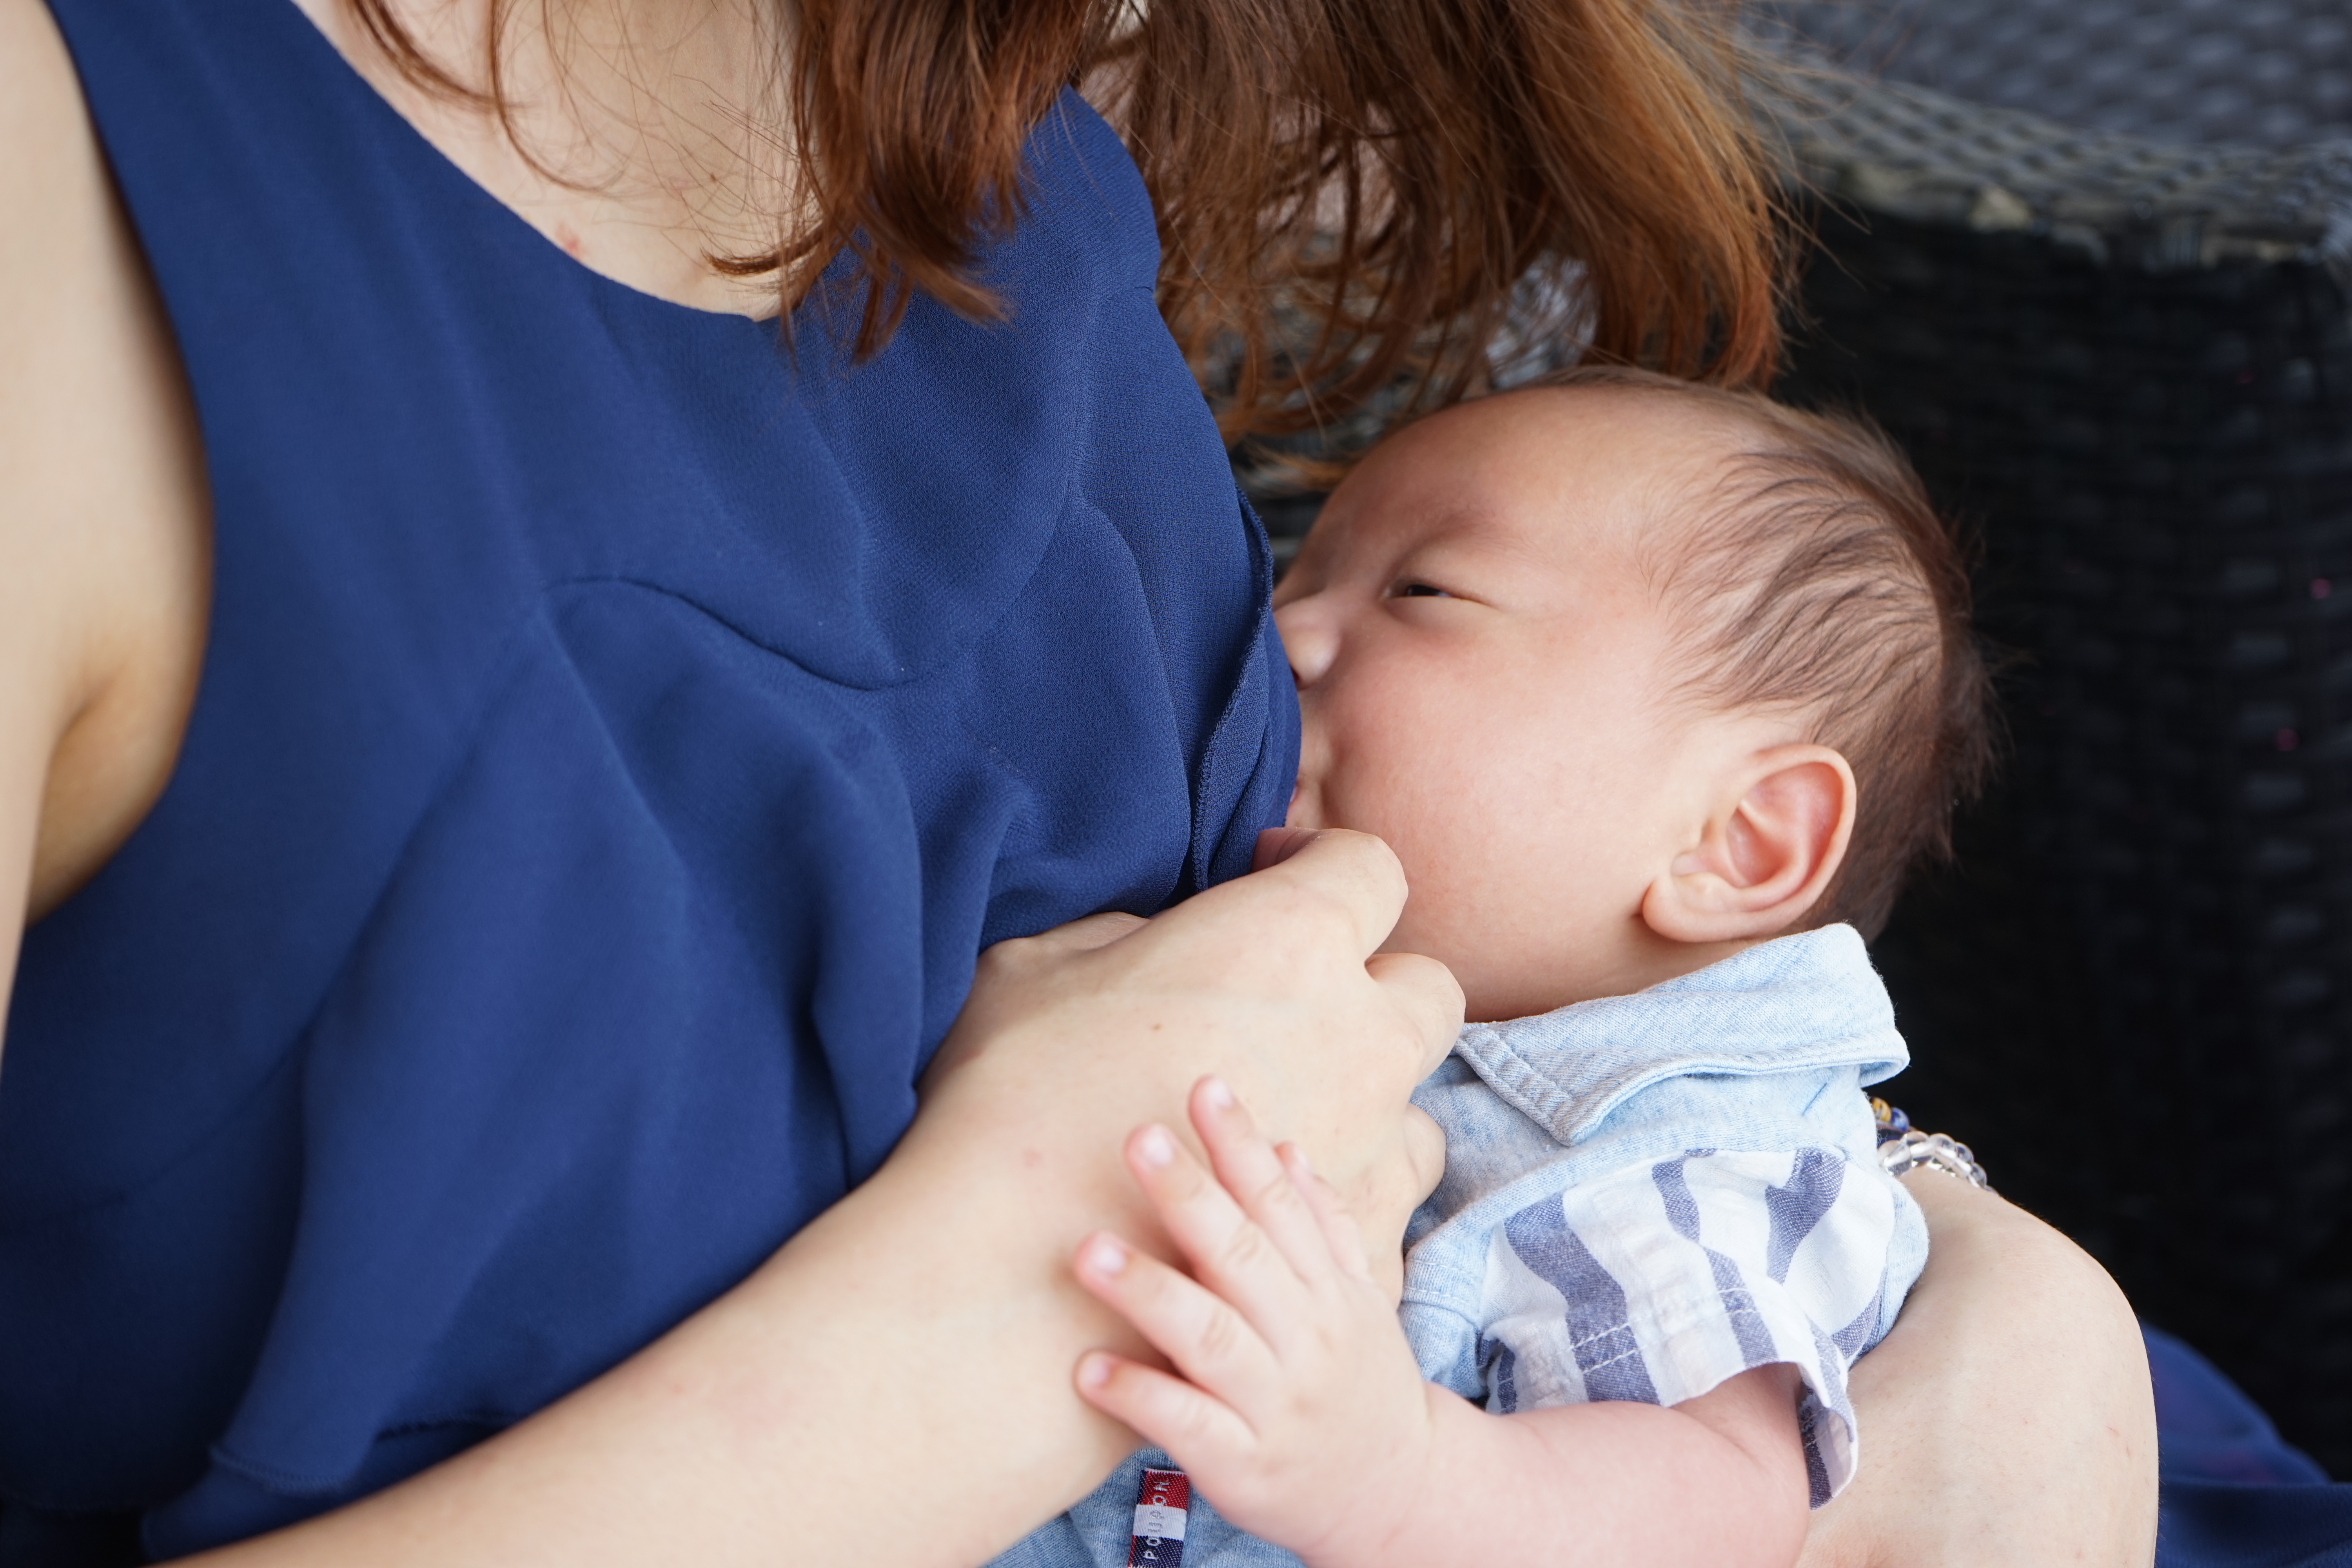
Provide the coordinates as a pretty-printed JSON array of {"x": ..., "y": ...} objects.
[{"x": 1767, "y": 851}]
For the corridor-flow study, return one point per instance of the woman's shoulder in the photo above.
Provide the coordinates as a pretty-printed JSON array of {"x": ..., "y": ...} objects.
[
  {"x": 104, "y": 535},
  {"x": 1081, "y": 174}
]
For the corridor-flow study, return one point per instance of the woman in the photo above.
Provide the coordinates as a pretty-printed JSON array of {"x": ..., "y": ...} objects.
[{"x": 512, "y": 768}]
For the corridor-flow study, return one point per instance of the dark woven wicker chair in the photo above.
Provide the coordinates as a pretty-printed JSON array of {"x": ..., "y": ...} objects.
[{"x": 2127, "y": 363}]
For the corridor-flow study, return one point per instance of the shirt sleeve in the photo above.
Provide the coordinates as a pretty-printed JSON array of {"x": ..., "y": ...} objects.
[{"x": 1660, "y": 1281}]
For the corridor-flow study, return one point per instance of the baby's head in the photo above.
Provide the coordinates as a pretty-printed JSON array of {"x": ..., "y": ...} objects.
[{"x": 1632, "y": 673}]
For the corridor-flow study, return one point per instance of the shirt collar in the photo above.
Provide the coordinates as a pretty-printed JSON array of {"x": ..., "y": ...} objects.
[{"x": 1796, "y": 1004}]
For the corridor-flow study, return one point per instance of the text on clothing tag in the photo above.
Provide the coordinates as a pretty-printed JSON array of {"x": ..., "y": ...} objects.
[{"x": 1160, "y": 1500}]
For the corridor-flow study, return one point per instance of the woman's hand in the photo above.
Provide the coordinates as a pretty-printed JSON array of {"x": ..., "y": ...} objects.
[
  {"x": 893, "y": 1387},
  {"x": 2007, "y": 1418},
  {"x": 1271, "y": 983}
]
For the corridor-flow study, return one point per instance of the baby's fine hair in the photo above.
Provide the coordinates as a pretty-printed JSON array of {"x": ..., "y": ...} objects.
[{"x": 1817, "y": 579}]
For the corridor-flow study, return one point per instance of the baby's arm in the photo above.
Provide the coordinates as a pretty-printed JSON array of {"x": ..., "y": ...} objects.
[
  {"x": 1715, "y": 1479},
  {"x": 1301, "y": 1414}
]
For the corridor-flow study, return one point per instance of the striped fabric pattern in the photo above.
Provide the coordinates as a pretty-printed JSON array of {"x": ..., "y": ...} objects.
[{"x": 1733, "y": 1261}]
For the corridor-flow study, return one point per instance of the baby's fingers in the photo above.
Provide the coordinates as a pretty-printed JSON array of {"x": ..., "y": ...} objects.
[
  {"x": 1255, "y": 1172},
  {"x": 1207, "y": 1340},
  {"x": 1228, "y": 1250},
  {"x": 1201, "y": 1435}
]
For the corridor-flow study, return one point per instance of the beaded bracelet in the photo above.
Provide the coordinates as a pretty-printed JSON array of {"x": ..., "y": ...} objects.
[{"x": 1902, "y": 1147}]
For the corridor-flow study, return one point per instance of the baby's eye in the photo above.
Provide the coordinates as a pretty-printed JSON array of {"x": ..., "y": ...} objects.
[{"x": 1420, "y": 591}]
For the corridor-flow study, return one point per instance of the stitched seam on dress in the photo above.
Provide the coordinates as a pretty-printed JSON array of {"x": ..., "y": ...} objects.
[
  {"x": 503, "y": 669},
  {"x": 513, "y": 663},
  {"x": 288, "y": 1483}
]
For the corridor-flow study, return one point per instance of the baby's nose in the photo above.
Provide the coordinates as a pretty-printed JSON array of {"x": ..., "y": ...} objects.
[{"x": 1310, "y": 636}]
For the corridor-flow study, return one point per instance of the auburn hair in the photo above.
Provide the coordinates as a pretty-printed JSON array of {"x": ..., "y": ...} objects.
[{"x": 1385, "y": 171}]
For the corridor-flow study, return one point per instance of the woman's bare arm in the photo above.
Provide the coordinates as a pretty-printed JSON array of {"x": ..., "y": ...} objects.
[
  {"x": 104, "y": 536},
  {"x": 2007, "y": 1418}
]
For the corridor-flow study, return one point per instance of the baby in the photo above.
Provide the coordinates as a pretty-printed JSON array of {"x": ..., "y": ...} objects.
[{"x": 1656, "y": 691}]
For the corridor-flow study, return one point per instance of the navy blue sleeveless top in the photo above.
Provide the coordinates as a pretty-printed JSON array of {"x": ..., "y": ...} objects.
[{"x": 617, "y": 738}]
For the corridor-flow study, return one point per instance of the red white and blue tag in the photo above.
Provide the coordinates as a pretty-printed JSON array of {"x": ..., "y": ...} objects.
[{"x": 1160, "y": 1504}]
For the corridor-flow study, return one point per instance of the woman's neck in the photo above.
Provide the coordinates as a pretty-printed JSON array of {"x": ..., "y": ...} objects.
[{"x": 644, "y": 137}]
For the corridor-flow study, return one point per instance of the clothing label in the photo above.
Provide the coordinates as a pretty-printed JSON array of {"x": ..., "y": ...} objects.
[{"x": 1160, "y": 1503}]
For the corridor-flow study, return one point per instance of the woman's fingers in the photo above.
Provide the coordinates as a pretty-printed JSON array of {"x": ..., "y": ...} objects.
[
  {"x": 1350, "y": 881},
  {"x": 1382, "y": 1199},
  {"x": 1340, "y": 1235},
  {"x": 1424, "y": 1148},
  {"x": 1085, "y": 935},
  {"x": 1202, "y": 1433},
  {"x": 1429, "y": 997},
  {"x": 1010, "y": 976},
  {"x": 1329, "y": 891},
  {"x": 1039, "y": 953},
  {"x": 1262, "y": 981},
  {"x": 1207, "y": 1340}
]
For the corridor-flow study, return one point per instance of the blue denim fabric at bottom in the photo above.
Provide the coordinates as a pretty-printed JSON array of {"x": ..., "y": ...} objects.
[
  {"x": 1701, "y": 1156},
  {"x": 1095, "y": 1532}
]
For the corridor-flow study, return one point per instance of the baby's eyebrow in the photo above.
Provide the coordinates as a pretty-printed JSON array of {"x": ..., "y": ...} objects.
[
  {"x": 1466, "y": 523},
  {"x": 1482, "y": 530}
]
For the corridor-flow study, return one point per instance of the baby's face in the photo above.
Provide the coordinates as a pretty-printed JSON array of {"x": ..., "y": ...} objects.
[{"x": 1480, "y": 667}]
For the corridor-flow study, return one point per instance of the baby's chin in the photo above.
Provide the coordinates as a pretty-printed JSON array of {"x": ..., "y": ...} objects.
[
  {"x": 1490, "y": 997},
  {"x": 1499, "y": 983}
]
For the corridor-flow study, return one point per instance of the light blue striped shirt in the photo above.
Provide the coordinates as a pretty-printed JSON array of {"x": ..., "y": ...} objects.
[{"x": 1644, "y": 1197}]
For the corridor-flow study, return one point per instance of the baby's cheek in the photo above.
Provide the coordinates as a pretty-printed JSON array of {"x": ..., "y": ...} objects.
[{"x": 1435, "y": 923}]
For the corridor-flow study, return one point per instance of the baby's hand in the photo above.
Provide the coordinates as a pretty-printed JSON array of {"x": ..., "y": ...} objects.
[{"x": 1300, "y": 1413}]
